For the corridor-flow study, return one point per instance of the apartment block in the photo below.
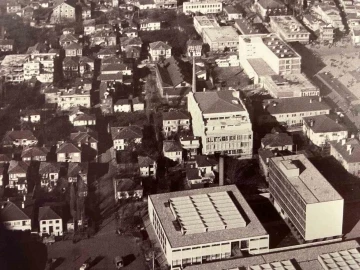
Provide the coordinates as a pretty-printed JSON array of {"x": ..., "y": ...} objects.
[
  {"x": 190, "y": 231},
  {"x": 289, "y": 29},
  {"x": 204, "y": 7},
  {"x": 304, "y": 198},
  {"x": 223, "y": 123},
  {"x": 221, "y": 38}
]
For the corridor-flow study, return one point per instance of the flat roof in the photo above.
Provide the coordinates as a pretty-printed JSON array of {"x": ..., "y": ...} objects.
[
  {"x": 310, "y": 184},
  {"x": 261, "y": 67},
  {"x": 282, "y": 265},
  {"x": 306, "y": 257},
  {"x": 222, "y": 33},
  {"x": 206, "y": 21},
  {"x": 345, "y": 259},
  {"x": 289, "y": 24},
  {"x": 175, "y": 236}
]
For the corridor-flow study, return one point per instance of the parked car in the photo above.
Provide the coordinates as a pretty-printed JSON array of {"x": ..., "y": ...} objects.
[
  {"x": 48, "y": 240},
  {"x": 119, "y": 262}
]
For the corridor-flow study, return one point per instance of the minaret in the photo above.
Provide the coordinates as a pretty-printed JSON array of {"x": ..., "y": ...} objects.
[{"x": 193, "y": 74}]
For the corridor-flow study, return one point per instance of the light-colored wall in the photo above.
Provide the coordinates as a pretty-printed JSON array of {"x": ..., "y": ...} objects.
[
  {"x": 18, "y": 225},
  {"x": 74, "y": 157},
  {"x": 55, "y": 223},
  {"x": 320, "y": 139}
]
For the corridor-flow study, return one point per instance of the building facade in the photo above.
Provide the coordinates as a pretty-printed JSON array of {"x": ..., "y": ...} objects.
[
  {"x": 347, "y": 153},
  {"x": 203, "y": 7}
]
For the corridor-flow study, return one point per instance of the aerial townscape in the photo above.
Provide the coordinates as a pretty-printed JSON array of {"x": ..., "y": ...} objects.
[{"x": 172, "y": 135}]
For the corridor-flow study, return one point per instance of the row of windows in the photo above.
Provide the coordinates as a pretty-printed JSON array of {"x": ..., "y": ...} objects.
[{"x": 244, "y": 137}]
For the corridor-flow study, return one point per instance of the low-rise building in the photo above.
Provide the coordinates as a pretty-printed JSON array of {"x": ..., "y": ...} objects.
[
  {"x": 147, "y": 166},
  {"x": 194, "y": 48},
  {"x": 150, "y": 25},
  {"x": 277, "y": 142},
  {"x": 197, "y": 240},
  {"x": 122, "y": 105},
  {"x": 304, "y": 198},
  {"x": 19, "y": 138},
  {"x": 232, "y": 13},
  {"x": 321, "y": 129},
  {"x": 89, "y": 26},
  {"x": 172, "y": 150},
  {"x": 200, "y": 171},
  {"x": 31, "y": 116},
  {"x": 247, "y": 26},
  {"x": 203, "y": 7},
  {"x": 50, "y": 222},
  {"x": 80, "y": 117},
  {"x": 49, "y": 174},
  {"x": 159, "y": 50},
  {"x": 204, "y": 22},
  {"x": 166, "y": 4},
  {"x": 221, "y": 38},
  {"x": 68, "y": 152},
  {"x": 73, "y": 97},
  {"x": 13, "y": 218},
  {"x": 347, "y": 153},
  {"x": 124, "y": 136},
  {"x": 34, "y": 153},
  {"x": 126, "y": 188},
  {"x": 6, "y": 45},
  {"x": 18, "y": 173},
  {"x": 73, "y": 49},
  {"x": 145, "y": 4},
  {"x": 78, "y": 171},
  {"x": 63, "y": 12},
  {"x": 289, "y": 29},
  {"x": 191, "y": 144},
  {"x": 266, "y": 8},
  {"x": 329, "y": 14},
  {"x": 175, "y": 121}
]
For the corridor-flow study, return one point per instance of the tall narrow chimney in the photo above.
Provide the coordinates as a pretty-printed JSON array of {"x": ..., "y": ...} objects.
[
  {"x": 221, "y": 171},
  {"x": 193, "y": 74}
]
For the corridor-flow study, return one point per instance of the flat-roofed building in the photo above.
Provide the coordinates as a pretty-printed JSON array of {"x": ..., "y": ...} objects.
[
  {"x": 289, "y": 29},
  {"x": 267, "y": 8},
  {"x": 203, "y": 225},
  {"x": 347, "y": 153},
  {"x": 305, "y": 258},
  {"x": 304, "y": 198},
  {"x": 290, "y": 111},
  {"x": 267, "y": 54},
  {"x": 203, "y": 22},
  {"x": 248, "y": 27},
  {"x": 221, "y": 38},
  {"x": 204, "y": 7},
  {"x": 222, "y": 121}
]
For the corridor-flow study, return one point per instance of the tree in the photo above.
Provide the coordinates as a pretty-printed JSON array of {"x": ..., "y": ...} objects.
[{"x": 73, "y": 202}]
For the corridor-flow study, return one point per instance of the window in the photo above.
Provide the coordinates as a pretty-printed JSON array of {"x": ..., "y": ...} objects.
[
  {"x": 57, "y": 221},
  {"x": 57, "y": 228},
  {"x": 43, "y": 222}
]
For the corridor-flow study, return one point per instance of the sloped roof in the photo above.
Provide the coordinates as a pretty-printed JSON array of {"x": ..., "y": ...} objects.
[
  {"x": 75, "y": 168},
  {"x": 122, "y": 101},
  {"x": 114, "y": 67},
  {"x": 111, "y": 77},
  {"x": 34, "y": 151},
  {"x": 4, "y": 158},
  {"x": 218, "y": 101},
  {"x": 175, "y": 115},
  {"x": 171, "y": 146},
  {"x": 74, "y": 46},
  {"x": 17, "y": 167},
  {"x": 277, "y": 139},
  {"x": 68, "y": 147},
  {"x": 68, "y": 38},
  {"x": 19, "y": 135},
  {"x": 271, "y": 4},
  {"x": 49, "y": 167},
  {"x": 11, "y": 212},
  {"x": 110, "y": 60},
  {"x": 84, "y": 137},
  {"x": 323, "y": 123},
  {"x": 126, "y": 184},
  {"x": 85, "y": 117},
  {"x": 342, "y": 149},
  {"x": 159, "y": 45},
  {"x": 145, "y": 161},
  {"x": 193, "y": 174},
  {"x": 130, "y": 41},
  {"x": 194, "y": 42},
  {"x": 126, "y": 133},
  {"x": 46, "y": 213},
  {"x": 205, "y": 161},
  {"x": 171, "y": 73}
]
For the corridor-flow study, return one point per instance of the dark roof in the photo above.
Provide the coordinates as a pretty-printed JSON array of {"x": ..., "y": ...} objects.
[
  {"x": 68, "y": 147},
  {"x": 146, "y": 2},
  {"x": 277, "y": 139},
  {"x": 4, "y": 158},
  {"x": 85, "y": 117},
  {"x": 68, "y": 38},
  {"x": 231, "y": 10},
  {"x": 110, "y": 60},
  {"x": 246, "y": 26},
  {"x": 271, "y": 4},
  {"x": 74, "y": 46},
  {"x": 46, "y": 213},
  {"x": 171, "y": 146},
  {"x": 11, "y": 212},
  {"x": 111, "y": 77},
  {"x": 17, "y": 167},
  {"x": 84, "y": 137},
  {"x": 171, "y": 73},
  {"x": 34, "y": 151},
  {"x": 218, "y": 101},
  {"x": 296, "y": 104},
  {"x": 193, "y": 174},
  {"x": 145, "y": 161},
  {"x": 194, "y": 42},
  {"x": 126, "y": 184},
  {"x": 126, "y": 133},
  {"x": 159, "y": 45},
  {"x": 342, "y": 147},
  {"x": 75, "y": 168},
  {"x": 123, "y": 101},
  {"x": 49, "y": 167},
  {"x": 130, "y": 41},
  {"x": 323, "y": 123},
  {"x": 13, "y": 135},
  {"x": 113, "y": 67},
  {"x": 205, "y": 161},
  {"x": 175, "y": 115}
]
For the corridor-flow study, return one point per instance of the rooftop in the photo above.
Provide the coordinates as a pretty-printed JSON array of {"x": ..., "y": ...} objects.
[
  {"x": 261, "y": 67},
  {"x": 49, "y": 167},
  {"x": 206, "y": 21},
  {"x": 173, "y": 72},
  {"x": 222, "y": 34},
  {"x": 306, "y": 179},
  {"x": 175, "y": 115},
  {"x": 46, "y": 213},
  {"x": 323, "y": 123},
  {"x": 232, "y": 197},
  {"x": 288, "y": 24},
  {"x": 271, "y": 4},
  {"x": 171, "y": 146},
  {"x": 17, "y": 167},
  {"x": 276, "y": 140},
  {"x": 246, "y": 27},
  {"x": 126, "y": 133},
  {"x": 343, "y": 148},
  {"x": 10, "y": 212}
]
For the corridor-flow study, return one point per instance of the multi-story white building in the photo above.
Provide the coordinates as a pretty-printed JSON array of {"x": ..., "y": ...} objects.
[
  {"x": 291, "y": 111},
  {"x": 190, "y": 230},
  {"x": 203, "y": 22},
  {"x": 150, "y": 25},
  {"x": 73, "y": 97},
  {"x": 222, "y": 121},
  {"x": 158, "y": 50},
  {"x": 147, "y": 166},
  {"x": 175, "y": 121},
  {"x": 63, "y": 12},
  {"x": 204, "y": 7},
  {"x": 124, "y": 136},
  {"x": 267, "y": 54},
  {"x": 321, "y": 129},
  {"x": 221, "y": 38},
  {"x": 50, "y": 222},
  {"x": 172, "y": 150},
  {"x": 289, "y": 29},
  {"x": 13, "y": 218},
  {"x": 329, "y": 14},
  {"x": 347, "y": 153},
  {"x": 304, "y": 198}
]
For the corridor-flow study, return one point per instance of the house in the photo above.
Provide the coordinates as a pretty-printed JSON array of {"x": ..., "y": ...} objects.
[
  {"x": 106, "y": 52},
  {"x": 67, "y": 39},
  {"x": 71, "y": 67},
  {"x": 68, "y": 31},
  {"x": 200, "y": 171},
  {"x": 34, "y": 153},
  {"x": 150, "y": 25},
  {"x": 123, "y": 136},
  {"x": 158, "y": 50},
  {"x": 130, "y": 42},
  {"x": 85, "y": 139},
  {"x": 137, "y": 105},
  {"x": 130, "y": 32},
  {"x": 50, "y": 223},
  {"x": 145, "y": 4},
  {"x": 5, "y": 158},
  {"x": 172, "y": 150},
  {"x": 175, "y": 121},
  {"x": 18, "y": 172},
  {"x": 68, "y": 152},
  {"x": 122, "y": 105},
  {"x": 73, "y": 49},
  {"x": 89, "y": 26},
  {"x": 232, "y": 13},
  {"x": 19, "y": 138},
  {"x": 131, "y": 52},
  {"x": 320, "y": 129},
  {"x": 347, "y": 153},
  {"x": 78, "y": 171},
  {"x": 6, "y": 45},
  {"x": 85, "y": 12},
  {"x": 49, "y": 174},
  {"x": 78, "y": 117},
  {"x": 13, "y": 218},
  {"x": 114, "y": 68},
  {"x": 191, "y": 144},
  {"x": 68, "y": 98},
  {"x": 277, "y": 141},
  {"x": 32, "y": 116},
  {"x": 63, "y": 12},
  {"x": 86, "y": 67},
  {"x": 194, "y": 48},
  {"x": 3, "y": 170},
  {"x": 126, "y": 188},
  {"x": 103, "y": 38},
  {"x": 147, "y": 166}
]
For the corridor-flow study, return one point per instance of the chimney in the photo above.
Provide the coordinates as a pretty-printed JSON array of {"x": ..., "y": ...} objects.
[
  {"x": 310, "y": 100},
  {"x": 24, "y": 198},
  {"x": 320, "y": 98},
  {"x": 312, "y": 122},
  {"x": 22, "y": 205},
  {"x": 351, "y": 150},
  {"x": 221, "y": 171},
  {"x": 343, "y": 141}
]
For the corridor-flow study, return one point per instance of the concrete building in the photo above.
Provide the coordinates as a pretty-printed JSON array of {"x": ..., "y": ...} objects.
[
  {"x": 329, "y": 14},
  {"x": 175, "y": 121},
  {"x": 267, "y": 8},
  {"x": 203, "y": 22},
  {"x": 73, "y": 97},
  {"x": 321, "y": 129},
  {"x": 266, "y": 54},
  {"x": 290, "y": 111},
  {"x": 49, "y": 222},
  {"x": 347, "y": 153},
  {"x": 247, "y": 26},
  {"x": 232, "y": 13},
  {"x": 221, "y": 38},
  {"x": 289, "y": 29},
  {"x": 221, "y": 120},
  {"x": 277, "y": 142},
  {"x": 203, "y": 7},
  {"x": 190, "y": 230},
  {"x": 13, "y": 218},
  {"x": 166, "y": 4},
  {"x": 304, "y": 198}
]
